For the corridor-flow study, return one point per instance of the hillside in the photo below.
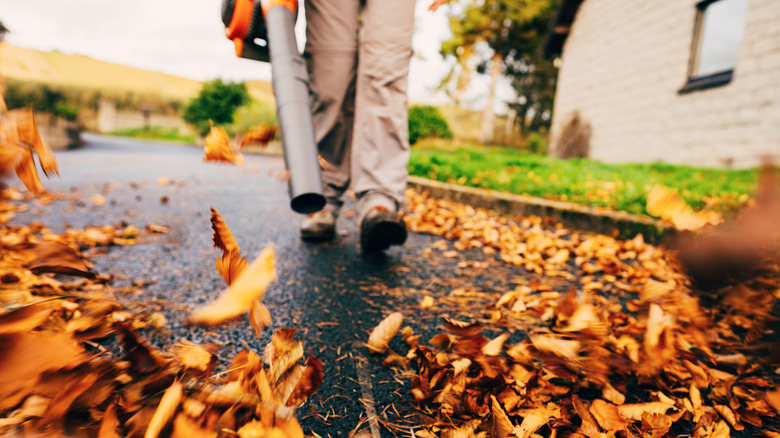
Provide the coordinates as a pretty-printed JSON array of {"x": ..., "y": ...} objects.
[{"x": 81, "y": 71}]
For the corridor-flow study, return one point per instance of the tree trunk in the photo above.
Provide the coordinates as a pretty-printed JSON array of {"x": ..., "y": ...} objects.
[{"x": 489, "y": 116}]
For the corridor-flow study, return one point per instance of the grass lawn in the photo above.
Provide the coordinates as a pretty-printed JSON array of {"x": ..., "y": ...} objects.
[
  {"x": 156, "y": 133},
  {"x": 620, "y": 187}
]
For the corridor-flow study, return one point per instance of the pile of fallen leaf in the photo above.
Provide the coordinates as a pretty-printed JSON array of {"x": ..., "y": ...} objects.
[
  {"x": 72, "y": 361},
  {"x": 629, "y": 351}
]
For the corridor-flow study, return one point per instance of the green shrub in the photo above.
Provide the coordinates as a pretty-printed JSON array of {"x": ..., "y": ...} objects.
[
  {"x": 216, "y": 101},
  {"x": 427, "y": 121},
  {"x": 537, "y": 144},
  {"x": 66, "y": 111}
]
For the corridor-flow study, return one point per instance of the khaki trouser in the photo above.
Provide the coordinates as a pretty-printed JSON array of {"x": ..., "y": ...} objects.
[{"x": 357, "y": 53}]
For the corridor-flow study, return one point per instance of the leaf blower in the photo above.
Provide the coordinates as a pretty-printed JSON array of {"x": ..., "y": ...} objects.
[{"x": 264, "y": 31}]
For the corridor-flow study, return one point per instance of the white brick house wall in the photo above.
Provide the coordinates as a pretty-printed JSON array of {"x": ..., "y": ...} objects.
[{"x": 623, "y": 64}]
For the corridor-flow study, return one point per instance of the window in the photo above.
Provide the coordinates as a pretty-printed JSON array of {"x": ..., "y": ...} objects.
[{"x": 717, "y": 38}]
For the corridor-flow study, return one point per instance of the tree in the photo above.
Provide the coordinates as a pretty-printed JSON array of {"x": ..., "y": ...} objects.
[
  {"x": 531, "y": 75},
  {"x": 217, "y": 101},
  {"x": 494, "y": 31}
]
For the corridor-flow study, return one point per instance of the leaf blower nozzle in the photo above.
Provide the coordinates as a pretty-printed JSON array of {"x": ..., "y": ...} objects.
[{"x": 265, "y": 31}]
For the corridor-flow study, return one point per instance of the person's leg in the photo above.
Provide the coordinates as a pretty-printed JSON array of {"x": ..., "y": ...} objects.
[
  {"x": 380, "y": 155},
  {"x": 331, "y": 59}
]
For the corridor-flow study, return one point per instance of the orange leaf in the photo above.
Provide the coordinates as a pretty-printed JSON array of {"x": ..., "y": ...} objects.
[
  {"x": 230, "y": 266},
  {"x": 261, "y": 134},
  {"x": 191, "y": 355},
  {"x": 10, "y": 156},
  {"x": 22, "y": 121},
  {"x": 223, "y": 238},
  {"x": 26, "y": 172},
  {"x": 218, "y": 148},
  {"x": 384, "y": 332},
  {"x": 563, "y": 348},
  {"x": 634, "y": 412},
  {"x": 109, "y": 423},
  {"x": 53, "y": 257},
  {"x": 282, "y": 353},
  {"x": 165, "y": 410},
  {"x": 238, "y": 297},
  {"x": 309, "y": 382},
  {"x": 259, "y": 317},
  {"x": 502, "y": 425},
  {"x": 667, "y": 204},
  {"x": 493, "y": 348},
  {"x": 606, "y": 415}
]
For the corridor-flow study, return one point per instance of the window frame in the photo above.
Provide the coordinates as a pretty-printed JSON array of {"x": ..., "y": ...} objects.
[{"x": 716, "y": 79}]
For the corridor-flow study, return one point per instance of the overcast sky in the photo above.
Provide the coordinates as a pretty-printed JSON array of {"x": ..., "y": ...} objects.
[{"x": 181, "y": 37}]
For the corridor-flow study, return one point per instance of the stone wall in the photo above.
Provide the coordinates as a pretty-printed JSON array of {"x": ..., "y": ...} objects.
[{"x": 624, "y": 63}]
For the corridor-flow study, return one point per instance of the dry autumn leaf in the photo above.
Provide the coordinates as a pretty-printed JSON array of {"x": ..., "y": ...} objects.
[
  {"x": 607, "y": 416},
  {"x": 384, "y": 332},
  {"x": 667, "y": 204},
  {"x": 260, "y": 134},
  {"x": 165, "y": 410},
  {"x": 217, "y": 147},
  {"x": 250, "y": 285}
]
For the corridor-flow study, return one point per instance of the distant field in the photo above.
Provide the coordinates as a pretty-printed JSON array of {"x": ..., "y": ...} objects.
[{"x": 80, "y": 71}]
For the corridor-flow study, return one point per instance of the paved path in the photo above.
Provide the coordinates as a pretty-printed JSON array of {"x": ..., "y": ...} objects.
[{"x": 332, "y": 294}]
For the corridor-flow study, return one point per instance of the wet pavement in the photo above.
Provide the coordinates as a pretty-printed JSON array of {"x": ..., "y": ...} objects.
[{"x": 331, "y": 293}]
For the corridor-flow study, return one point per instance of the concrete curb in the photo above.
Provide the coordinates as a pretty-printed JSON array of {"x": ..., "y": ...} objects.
[{"x": 575, "y": 216}]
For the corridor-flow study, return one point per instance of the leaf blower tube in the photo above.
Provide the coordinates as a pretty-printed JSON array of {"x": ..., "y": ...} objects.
[{"x": 269, "y": 29}]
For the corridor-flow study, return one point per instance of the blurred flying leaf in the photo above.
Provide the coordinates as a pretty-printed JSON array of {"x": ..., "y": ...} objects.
[
  {"x": 250, "y": 285},
  {"x": 217, "y": 147},
  {"x": 261, "y": 135}
]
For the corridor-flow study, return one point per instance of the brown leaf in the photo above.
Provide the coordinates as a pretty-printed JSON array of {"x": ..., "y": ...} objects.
[
  {"x": 190, "y": 355},
  {"x": 607, "y": 416},
  {"x": 727, "y": 414},
  {"x": 494, "y": 347},
  {"x": 532, "y": 422},
  {"x": 309, "y": 382},
  {"x": 10, "y": 156},
  {"x": 184, "y": 427},
  {"x": 223, "y": 238},
  {"x": 282, "y": 353},
  {"x": 563, "y": 348},
  {"x": 384, "y": 332},
  {"x": 165, "y": 410},
  {"x": 239, "y": 296},
  {"x": 26, "y": 172},
  {"x": 109, "y": 423},
  {"x": 260, "y": 134},
  {"x": 230, "y": 266},
  {"x": 217, "y": 147},
  {"x": 502, "y": 425},
  {"x": 53, "y": 257},
  {"x": 27, "y": 133},
  {"x": 259, "y": 317},
  {"x": 634, "y": 412},
  {"x": 25, "y": 356},
  {"x": 62, "y": 402},
  {"x": 773, "y": 398},
  {"x": 462, "y": 328},
  {"x": 25, "y": 318}
]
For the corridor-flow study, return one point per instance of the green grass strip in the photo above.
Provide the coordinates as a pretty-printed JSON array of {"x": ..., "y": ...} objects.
[{"x": 622, "y": 187}]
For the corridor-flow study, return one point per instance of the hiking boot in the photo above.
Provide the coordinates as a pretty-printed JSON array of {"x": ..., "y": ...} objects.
[
  {"x": 319, "y": 226},
  {"x": 381, "y": 228}
]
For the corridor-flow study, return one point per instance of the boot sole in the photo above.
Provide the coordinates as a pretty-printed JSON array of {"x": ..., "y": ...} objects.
[{"x": 381, "y": 235}]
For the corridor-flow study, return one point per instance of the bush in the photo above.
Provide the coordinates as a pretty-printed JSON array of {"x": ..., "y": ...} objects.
[
  {"x": 427, "y": 121},
  {"x": 67, "y": 112},
  {"x": 216, "y": 101},
  {"x": 537, "y": 144}
]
